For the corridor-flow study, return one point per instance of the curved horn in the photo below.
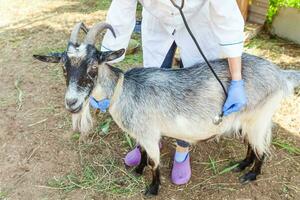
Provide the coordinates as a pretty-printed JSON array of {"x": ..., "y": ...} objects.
[
  {"x": 75, "y": 31},
  {"x": 91, "y": 35}
]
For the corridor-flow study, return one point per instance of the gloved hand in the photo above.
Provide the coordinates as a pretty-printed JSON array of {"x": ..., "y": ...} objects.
[
  {"x": 236, "y": 99},
  {"x": 102, "y": 104}
]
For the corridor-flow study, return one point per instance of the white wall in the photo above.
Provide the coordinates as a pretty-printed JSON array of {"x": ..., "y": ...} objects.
[{"x": 287, "y": 24}]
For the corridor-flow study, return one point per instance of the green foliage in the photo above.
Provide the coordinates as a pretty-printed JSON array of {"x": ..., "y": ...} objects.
[{"x": 276, "y": 4}]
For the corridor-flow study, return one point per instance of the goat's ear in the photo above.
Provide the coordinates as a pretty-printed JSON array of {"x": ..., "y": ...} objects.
[
  {"x": 106, "y": 56},
  {"x": 53, "y": 58}
]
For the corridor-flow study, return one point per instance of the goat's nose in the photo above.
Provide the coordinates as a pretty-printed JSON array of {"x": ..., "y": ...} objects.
[{"x": 71, "y": 102}]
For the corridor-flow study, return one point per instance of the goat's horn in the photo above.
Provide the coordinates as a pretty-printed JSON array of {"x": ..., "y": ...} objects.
[
  {"x": 75, "y": 31},
  {"x": 91, "y": 35}
]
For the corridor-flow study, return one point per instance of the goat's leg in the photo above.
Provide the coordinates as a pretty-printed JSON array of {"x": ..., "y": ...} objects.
[
  {"x": 250, "y": 157},
  {"x": 152, "y": 149},
  {"x": 153, "y": 188},
  {"x": 255, "y": 170},
  {"x": 140, "y": 168}
]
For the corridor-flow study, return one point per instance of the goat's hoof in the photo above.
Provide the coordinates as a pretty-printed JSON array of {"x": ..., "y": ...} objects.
[
  {"x": 138, "y": 171},
  {"x": 151, "y": 190},
  {"x": 241, "y": 166},
  {"x": 237, "y": 169},
  {"x": 248, "y": 177}
]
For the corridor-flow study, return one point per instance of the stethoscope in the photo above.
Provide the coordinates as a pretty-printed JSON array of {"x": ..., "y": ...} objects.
[{"x": 218, "y": 118}]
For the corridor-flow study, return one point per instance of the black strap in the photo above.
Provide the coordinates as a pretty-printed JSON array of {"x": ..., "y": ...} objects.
[{"x": 197, "y": 44}]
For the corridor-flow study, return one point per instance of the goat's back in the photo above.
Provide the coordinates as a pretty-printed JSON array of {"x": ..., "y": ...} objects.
[{"x": 192, "y": 93}]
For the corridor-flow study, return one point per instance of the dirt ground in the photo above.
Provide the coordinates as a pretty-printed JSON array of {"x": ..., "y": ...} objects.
[{"x": 41, "y": 158}]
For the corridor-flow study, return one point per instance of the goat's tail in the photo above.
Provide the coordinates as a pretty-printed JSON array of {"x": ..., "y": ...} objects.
[{"x": 293, "y": 77}]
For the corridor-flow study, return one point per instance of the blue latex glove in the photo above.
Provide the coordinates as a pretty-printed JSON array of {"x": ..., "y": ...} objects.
[
  {"x": 236, "y": 99},
  {"x": 101, "y": 105}
]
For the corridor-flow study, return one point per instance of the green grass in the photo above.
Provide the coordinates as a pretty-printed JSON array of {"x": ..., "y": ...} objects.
[
  {"x": 213, "y": 165},
  {"x": 218, "y": 169},
  {"x": 129, "y": 141},
  {"x": 105, "y": 177},
  {"x": 228, "y": 169},
  {"x": 104, "y": 127},
  {"x": 285, "y": 145},
  {"x": 53, "y": 48},
  {"x": 94, "y": 5},
  {"x": 75, "y": 136},
  {"x": 224, "y": 170},
  {"x": 259, "y": 42},
  {"x": 7, "y": 101},
  {"x": 102, "y": 171},
  {"x": 273, "y": 46},
  {"x": 136, "y": 58},
  {"x": 3, "y": 195}
]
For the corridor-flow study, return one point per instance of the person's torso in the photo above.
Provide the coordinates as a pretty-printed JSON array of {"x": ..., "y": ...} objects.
[
  {"x": 165, "y": 11},
  {"x": 163, "y": 24}
]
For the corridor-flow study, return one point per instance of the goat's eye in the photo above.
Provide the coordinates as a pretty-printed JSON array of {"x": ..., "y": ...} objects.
[
  {"x": 94, "y": 65},
  {"x": 92, "y": 71}
]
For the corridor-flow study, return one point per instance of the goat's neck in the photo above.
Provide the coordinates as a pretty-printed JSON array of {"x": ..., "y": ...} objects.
[{"x": 108, "y": 77}]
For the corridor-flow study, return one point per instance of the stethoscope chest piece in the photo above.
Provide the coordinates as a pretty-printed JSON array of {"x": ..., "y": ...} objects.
[{"x": 217, "y": 119}]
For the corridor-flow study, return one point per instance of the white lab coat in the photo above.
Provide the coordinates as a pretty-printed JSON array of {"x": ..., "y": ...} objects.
[{"x": 217, "y": 25}]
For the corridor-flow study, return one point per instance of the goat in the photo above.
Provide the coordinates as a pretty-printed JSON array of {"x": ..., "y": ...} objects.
[{"x": 149, "y": 103}]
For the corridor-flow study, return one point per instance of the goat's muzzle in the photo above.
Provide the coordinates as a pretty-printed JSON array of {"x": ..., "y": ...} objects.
[{"x": 73, "y": 108}]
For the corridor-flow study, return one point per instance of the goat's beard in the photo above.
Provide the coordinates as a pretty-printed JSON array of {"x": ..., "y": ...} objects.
[{"x": 83, "y": 121}]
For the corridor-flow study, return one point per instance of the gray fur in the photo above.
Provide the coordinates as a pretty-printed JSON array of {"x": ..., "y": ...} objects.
[
  {"x": 154, "y": 102},
  {"x": 293, "y": 76},
  {"x": 193, "y": 92}
]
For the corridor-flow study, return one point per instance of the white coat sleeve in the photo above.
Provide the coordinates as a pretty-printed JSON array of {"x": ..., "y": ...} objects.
[
  {"x": 121, "y": 15},
  {"x": 227, "y": 24}
]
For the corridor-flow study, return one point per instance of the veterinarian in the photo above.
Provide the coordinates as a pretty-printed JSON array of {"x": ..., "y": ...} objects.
[{"x": 218, "y": 27}]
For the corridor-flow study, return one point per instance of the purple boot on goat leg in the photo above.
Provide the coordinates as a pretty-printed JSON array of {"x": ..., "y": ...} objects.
[
  {"x": 133, "y": 158},
  {"x": 181, "y": 171}
]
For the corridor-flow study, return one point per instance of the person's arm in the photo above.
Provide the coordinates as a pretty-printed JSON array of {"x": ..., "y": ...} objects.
[
  {"x": 235, "y": 67},
  {"x": 228, "y": 25},
  {"x": 121, "y": 15}
]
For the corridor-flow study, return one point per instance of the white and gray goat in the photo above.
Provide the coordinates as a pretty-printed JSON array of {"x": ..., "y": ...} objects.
[{"x": 149, "y": 103}]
